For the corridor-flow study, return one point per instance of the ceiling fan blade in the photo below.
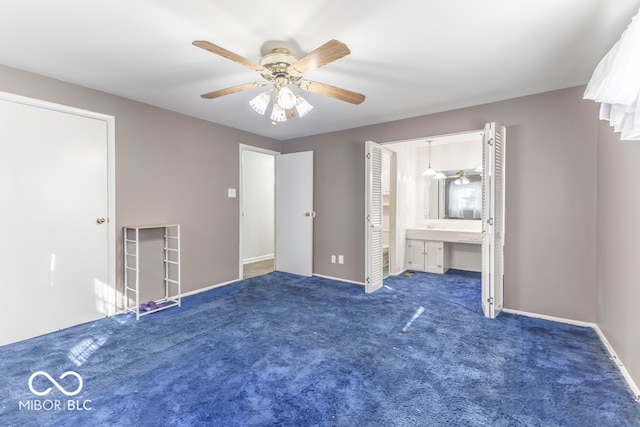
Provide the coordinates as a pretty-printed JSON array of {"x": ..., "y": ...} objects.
[
  {"x": 233, "y": 89},
  {"x": 332, "y": 91},
  {"x": 328, "y": 52},
  {"x": 227, "y": 54}
]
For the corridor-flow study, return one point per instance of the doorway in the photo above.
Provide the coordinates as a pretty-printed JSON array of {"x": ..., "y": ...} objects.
[
  {"x": 257, "y": 211},
  {"x": 276, "y": 211},
  {"x": 454, "y": 207}
]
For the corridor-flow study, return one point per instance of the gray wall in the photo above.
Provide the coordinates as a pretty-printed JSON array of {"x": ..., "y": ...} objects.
[
  {"x": 619, "y": 246},
  {"x": 550, "y": 196},
  {"x": 170, "y": 168}
]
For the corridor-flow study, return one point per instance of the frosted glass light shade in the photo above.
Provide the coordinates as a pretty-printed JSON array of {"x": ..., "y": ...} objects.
[
  {"x": 430, "y": 172},
  {"x": 260, "y": 102},
  {"x": 302, "y": 106},
  {"x": 278, "y": 114},
  {"x": 286, "y": 98},
  {"x": 439, "y": 175}
]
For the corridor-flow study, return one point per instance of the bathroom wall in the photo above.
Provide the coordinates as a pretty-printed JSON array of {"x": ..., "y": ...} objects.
[{"x": 258, "y": 192}]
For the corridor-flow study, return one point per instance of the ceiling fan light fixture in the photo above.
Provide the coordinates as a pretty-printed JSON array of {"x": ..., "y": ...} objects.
[
  {"x": 282, "y": 69},
  {"x": 302, "y": 106},
  {"x": 278, "y": 114},
  {"x": 260, "y": 102},
  {"x": 286, "y": 98},
  {"x": 462, "y": 179}
]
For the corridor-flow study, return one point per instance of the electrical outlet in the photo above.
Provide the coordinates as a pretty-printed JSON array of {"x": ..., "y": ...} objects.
[
  {"x": 333, "y": 259},
  {"x": 340, "y": 259}
]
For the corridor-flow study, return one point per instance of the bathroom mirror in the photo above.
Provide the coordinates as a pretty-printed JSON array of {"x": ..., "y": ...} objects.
[
  {"x": 458, "y": 196},
  {"x": 455, "y": 191}
]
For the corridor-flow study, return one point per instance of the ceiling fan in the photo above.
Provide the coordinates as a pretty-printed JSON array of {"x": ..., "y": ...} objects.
[{"x": 280, "y": 68}]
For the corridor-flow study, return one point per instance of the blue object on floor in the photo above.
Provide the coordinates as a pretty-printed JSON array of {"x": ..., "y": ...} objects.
[{"x": 295, "y": 351}]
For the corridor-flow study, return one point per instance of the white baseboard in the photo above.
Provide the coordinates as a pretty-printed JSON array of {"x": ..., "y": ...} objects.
[
  {"x": 208, "y": 288},
  {"x": 338, "y": 279},
  {"x": 618, "y": 362},
  {"x": 612, "y": 353},
  {"x": 257, "y": 258},
  {"x": 552, "y": 318}
]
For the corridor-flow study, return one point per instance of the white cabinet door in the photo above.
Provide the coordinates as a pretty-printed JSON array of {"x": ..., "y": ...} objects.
[
  {"x": 426, "y": 255},
  {"x": 415, "y": 255},
  {"x": 434, "y": 257}
]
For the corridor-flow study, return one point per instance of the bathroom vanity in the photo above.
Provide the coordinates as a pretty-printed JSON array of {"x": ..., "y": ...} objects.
[{"x": 435, "y": 250}]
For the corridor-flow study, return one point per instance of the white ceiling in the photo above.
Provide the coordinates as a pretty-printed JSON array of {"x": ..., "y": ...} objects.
[{"x": 409, "y": 57}]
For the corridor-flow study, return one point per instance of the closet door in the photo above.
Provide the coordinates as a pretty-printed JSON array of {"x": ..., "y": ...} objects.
[
  {"x": 493, "y": 155},
  {"x": 55, "y": 257},
  {"x": 374, "y": 252}
]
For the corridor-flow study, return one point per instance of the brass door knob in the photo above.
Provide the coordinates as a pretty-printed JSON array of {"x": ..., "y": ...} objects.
[{"x": 101, "y": 220}]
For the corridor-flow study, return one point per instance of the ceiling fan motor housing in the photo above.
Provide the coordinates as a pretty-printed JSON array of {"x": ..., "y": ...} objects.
[{"x": 278, "y": 69}]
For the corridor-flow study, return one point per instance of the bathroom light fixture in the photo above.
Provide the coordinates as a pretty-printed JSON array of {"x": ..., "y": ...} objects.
[
  {"x": 440, "y": 175},
  {"x": 430, "y": 171}
]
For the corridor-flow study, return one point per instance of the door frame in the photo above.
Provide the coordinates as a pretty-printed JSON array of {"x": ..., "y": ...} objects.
[
  {"x": 111, "y": 177},
  {"x": 243, "y": 147}
]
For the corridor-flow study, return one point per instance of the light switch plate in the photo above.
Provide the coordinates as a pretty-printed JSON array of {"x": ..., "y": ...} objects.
[{"x": 231, "y": 192}]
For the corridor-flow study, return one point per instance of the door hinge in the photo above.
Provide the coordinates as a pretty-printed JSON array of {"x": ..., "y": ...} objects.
[
  {"x": 368, "y": 280},
  {"x": 490, "y": 221},
  {"x": 368, "y": 155},
  {"x": 490, "y": 300}
]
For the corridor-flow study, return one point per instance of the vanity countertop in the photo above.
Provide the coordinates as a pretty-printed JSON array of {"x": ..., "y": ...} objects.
[{"x": 445, "y": 235}]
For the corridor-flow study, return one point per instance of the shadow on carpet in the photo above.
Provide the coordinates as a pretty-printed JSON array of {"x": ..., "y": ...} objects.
[{"x": 287, "y": 350}]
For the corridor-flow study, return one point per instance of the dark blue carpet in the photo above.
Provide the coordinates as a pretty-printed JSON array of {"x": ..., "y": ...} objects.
[{"x": 292, "y": 351}]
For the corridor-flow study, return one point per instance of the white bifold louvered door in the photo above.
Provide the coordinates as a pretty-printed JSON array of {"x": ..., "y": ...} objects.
[
  {"x": 374, "y": 252},
  {"x": 493, "y": 227}
]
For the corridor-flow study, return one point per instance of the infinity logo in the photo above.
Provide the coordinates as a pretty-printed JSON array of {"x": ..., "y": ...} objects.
[{"x": 58, "y": 386}]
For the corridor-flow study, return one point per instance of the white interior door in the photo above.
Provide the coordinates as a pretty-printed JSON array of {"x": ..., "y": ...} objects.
[
  {"x": 54, "y": 257},
  {"x": 374, "y": 251},
  {"x": 294, "y": 213},
  {"x": 493, "y": 156}
]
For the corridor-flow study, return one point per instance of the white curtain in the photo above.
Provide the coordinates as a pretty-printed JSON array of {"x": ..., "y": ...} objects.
[
  {"x": 465, "y": 197},
  {"x": 616, "y": 83}
]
